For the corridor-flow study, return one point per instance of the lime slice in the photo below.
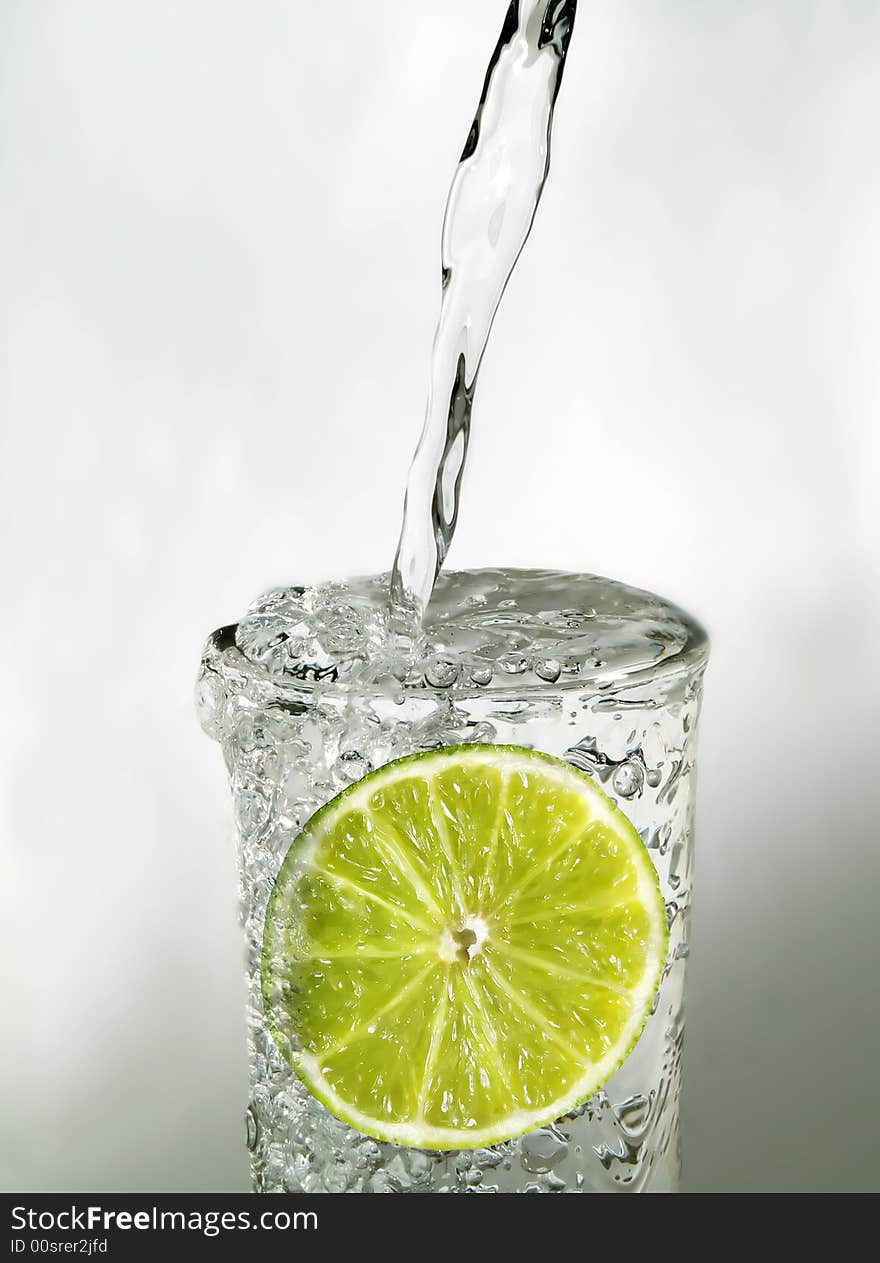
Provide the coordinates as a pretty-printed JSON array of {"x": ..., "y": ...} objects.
[{"x": 462, "y": 946}]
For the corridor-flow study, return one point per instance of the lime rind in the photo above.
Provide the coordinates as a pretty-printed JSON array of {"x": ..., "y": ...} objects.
[{"x": 301, "y": 860}]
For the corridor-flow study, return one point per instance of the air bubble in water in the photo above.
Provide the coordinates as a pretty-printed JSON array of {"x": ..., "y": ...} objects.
[
  {"x": 481, "y": 675},
  {"x": 513, "y": 663},
  {"x": 548, "y": 669},
  {"x": 440, "y": 673},
  {"x": 210, "y": 703},
  {"x": 351, "y": 766},
  {"x": 251, "y": 1128},
  {"x": 627, "y": 780},
  {"x": 541, "y": 1151},
  {"x": 252, "y": 808},
  {"x": 633, "y": 1114}
]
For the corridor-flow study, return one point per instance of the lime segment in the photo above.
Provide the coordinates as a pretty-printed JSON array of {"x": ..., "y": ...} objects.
[{"x": 462, "y": 946}]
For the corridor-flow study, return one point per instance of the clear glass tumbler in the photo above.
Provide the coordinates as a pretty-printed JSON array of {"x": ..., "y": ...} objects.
[{"x": 604, "y": 676}]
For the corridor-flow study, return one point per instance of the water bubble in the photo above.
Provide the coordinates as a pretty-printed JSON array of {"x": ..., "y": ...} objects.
[
  {"x": 440, "y": 673},
  {"x": 628, "y": 779},
  {"x": 548, "y": 669},
  {"x": 268, "y": 638},
  {"x": 653, "y": 777},
  {"x": 251, "y": 1128},
  {"x": 541, "y": 1151},
  {"x": 210, "y": 703},
  {"x": 336, "y": 1179},
  {"x": 351, "y": 766},
  {"x": 633, "y": 1114},
  {"x": 285, "y": 599},
  {"x": 273, "y": 1171},
  {"x": 297, "y": 783},
  {"x": 285, "y": 721},
  {"x": 513, "y": 663},
  {"x": 369, "y": 1152},
  {"x": 419, "y": 1165},
  {"x": 481, "y": 675},
  {"x": 252, "y": 808},
  {"x": 253, "y": 743}
]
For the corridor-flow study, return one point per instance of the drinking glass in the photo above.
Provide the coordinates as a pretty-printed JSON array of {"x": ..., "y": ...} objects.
[{"x": 604, "y": 676}]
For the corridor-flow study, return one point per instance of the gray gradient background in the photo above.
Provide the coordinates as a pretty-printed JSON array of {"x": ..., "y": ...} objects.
[{"x": 219, "y": 289}]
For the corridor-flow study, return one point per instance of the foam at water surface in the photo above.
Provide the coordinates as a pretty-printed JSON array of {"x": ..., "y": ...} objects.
[{"x": 483, "y": 629}]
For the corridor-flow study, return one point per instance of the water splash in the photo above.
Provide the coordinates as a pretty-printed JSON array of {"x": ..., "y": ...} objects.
[{"x": 489, "y": 214}]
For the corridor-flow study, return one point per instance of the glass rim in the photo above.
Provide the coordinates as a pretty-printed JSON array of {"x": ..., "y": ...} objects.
[{"x": 223, "y": 657}]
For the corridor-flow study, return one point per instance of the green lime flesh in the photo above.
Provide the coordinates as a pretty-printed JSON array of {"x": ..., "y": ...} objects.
[{"x": 462, "y": 946}]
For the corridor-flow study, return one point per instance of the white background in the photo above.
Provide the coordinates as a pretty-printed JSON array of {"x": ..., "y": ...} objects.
[{"x": 219, "y": 251}]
